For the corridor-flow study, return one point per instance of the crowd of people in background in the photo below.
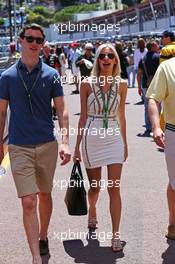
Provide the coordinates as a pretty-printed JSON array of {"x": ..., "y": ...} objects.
[
  {"x": 102, "y": 107},
  {"x": 139, "y": 60}
]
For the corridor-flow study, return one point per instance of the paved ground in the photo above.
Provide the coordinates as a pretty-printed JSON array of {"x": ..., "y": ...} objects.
[{"x": 144, "y": 215}]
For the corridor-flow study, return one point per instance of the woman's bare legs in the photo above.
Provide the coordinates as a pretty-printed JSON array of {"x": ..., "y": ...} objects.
[
  {"x": 94, "y": 176},
  {"x": 114, "y": 174}
]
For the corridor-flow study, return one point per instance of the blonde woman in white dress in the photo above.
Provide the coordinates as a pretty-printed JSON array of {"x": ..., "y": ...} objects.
[{"x": 103, "y": 110}]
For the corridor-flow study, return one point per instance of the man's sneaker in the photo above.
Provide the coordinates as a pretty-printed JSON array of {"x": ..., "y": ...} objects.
[{"x": 44, "y": 247}]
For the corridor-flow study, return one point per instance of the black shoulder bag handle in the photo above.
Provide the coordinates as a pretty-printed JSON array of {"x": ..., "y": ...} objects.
[{"x": 77, "y": 166}]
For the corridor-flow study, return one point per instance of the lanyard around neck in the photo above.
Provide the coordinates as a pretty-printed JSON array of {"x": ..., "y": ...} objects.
[
  {"x": 106, "y": 106},
  {"x": 26, "y": 88}
]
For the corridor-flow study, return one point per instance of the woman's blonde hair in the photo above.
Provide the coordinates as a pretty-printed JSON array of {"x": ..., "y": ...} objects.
[{"x": 96, "y": 68}]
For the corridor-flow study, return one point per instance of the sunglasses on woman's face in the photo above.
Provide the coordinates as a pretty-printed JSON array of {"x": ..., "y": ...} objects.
[
  {"x": 109, "y": 55},
  {"x": 30, "y": 39}
]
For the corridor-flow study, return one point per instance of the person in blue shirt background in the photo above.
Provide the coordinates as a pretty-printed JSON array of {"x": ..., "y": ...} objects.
[{"x": 28, "y": 88}]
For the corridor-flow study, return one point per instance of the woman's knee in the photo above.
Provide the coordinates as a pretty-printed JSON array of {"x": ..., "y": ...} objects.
[
  {"x": 114, "y": 191},
  {"x": 94, "y": 189},
  {"x": 171, "y": 187},
  {"x": 44, "y": 196}
]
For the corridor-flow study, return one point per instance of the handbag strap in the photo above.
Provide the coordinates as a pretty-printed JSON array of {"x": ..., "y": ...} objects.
[
  {"x": 77, "y": 166},
  {"x": 79, "y": 170}
]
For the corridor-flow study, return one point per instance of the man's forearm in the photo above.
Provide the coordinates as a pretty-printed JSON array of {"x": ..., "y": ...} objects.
[
  {"x": 139, "y": 75},
  {"x": 63, "y": 120},
  {"x": 2, "y": 125},
  {"x": 153, "y": 111}
]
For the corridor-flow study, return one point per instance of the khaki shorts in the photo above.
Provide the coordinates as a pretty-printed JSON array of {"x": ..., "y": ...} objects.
[{"x": 33, "y": 167}]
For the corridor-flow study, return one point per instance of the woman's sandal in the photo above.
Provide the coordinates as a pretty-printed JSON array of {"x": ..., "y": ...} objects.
[
  {"x": 92, "y": 222},
  {"x": 116, "y": 245}
]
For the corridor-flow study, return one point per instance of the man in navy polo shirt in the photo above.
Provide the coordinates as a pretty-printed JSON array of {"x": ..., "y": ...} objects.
[{"x": 28, "y": 88}]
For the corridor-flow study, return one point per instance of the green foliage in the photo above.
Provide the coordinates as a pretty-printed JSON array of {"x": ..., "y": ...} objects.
[
  {"x": 39, "y": 19},
  {"x": 40, "y": 15},
  {"x": 44, "y": 17},
  {"x": 62, "y": 17},
  {"x": 125, "y": 7},
  {"x": 1, "y": 21},
  {"x": 67, "y": 13},
  {"x": 41, "y": 10},
  {"x": 1, "y": 3}
]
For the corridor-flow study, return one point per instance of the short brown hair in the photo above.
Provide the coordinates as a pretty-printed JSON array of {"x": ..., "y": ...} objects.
[
  {"x": 31, "y": 26},
  {"x": 141, "y": 44}
]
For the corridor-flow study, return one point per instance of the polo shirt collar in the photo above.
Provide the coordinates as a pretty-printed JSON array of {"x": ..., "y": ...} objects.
[{"x": 22, "y": 65}]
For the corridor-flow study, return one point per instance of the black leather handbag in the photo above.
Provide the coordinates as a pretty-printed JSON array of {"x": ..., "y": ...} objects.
[{"x": 75, "y": 198}]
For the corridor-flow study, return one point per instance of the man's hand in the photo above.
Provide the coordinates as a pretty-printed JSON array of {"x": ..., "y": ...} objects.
[
  {"x": 1, "y": 153},
  {"x": 64, "y": 152},
  {"x": 159, "y": 137}
]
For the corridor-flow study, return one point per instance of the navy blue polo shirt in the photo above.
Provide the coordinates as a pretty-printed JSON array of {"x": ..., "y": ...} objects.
[{"x": 26, "y": 126}]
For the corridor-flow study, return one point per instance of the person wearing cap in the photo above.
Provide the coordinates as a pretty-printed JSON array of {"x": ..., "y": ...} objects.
[
  {"x": 85, "y": 61},
  {"x": 168, "y": 50}
]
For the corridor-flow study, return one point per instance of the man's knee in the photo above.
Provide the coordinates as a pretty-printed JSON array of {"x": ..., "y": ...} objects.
[{"x": 29, "y": 203}]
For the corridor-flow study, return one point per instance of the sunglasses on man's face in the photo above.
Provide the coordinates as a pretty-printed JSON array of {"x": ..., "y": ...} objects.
[
  {"x": 109, "y": 55},
  {"x": 30, "y": 39}
]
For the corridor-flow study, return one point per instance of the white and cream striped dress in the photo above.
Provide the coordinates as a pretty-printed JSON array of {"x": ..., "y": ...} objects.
[{"x": 100, "y": 146}]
